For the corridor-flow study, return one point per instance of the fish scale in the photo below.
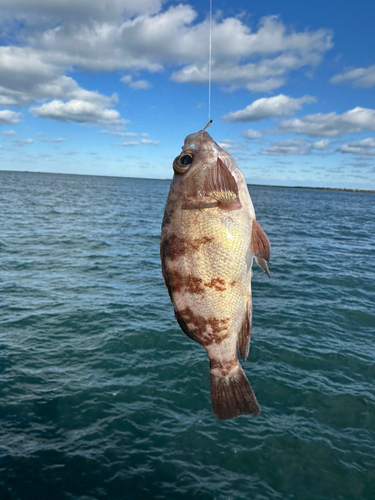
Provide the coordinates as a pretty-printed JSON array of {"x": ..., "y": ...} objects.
[
  {"x": 208, "y": 242},
  {"x": 217, "y": 260}
]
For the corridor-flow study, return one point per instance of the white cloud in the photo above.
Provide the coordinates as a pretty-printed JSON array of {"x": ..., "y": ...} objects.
[
  {"x": 136, "y": 85},
  {"x": 294, "y": 147},
  {"x": 227, "y": 144},
  {"x": 142, "y": 142},
  {"x": 251, "y": 134},
  {"x": 149, "y": 142},
  {"x": 275, "y": 52},
  {"x": 78, "y": 111},
  {"x": 258, "y": 60},
  {"x": 140, "y": 85},
  {"x": 56, "y": 140},
  {"x": 268, "y": 107},
  {"x": 321, "y": 145},
  {"x": 26, "y": 76},
  {"x": 359, "y": 77},
  {"x": 331, "y": 125},
  {"x": 144, "y": 137},
  {"x": 45, "y": 157},
  {"x": 233, "y": 145},
  {"x": 10, "y": 133},
  {"x": 134, "y": 35},
  {"x": 365, "y": 147},
  {"x": 143, "y": 42},
  {"x": 73, "y": 10},
  {"x": 114, "y": 133},
  {"x": 130, "y": 143},
  {"x": 23, "y": 142},
  {"x": 9, "y": 117}
]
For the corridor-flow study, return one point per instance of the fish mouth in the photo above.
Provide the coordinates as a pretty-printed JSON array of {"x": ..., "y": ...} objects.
[{"x": 200, "y": 141}]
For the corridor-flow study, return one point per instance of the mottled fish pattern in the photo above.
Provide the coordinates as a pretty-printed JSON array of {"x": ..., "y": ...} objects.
[{"x": 208, "y": 242}]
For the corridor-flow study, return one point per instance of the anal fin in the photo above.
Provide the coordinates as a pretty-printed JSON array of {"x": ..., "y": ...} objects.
[
  {"x": 220, "y": 185},
  {"x": 244, "y": 335}
]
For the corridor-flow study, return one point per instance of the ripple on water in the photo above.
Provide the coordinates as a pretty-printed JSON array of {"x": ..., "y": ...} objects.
[{"x": 102, "y": 396}]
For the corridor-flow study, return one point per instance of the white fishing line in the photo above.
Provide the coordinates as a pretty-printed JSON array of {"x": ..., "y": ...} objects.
[{"x": 210, "y": 65}]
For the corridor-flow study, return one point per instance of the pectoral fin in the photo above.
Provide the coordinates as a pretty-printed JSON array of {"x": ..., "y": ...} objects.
[
  {"x": 263, "y": 265},
  {"x": 260, "y": 246},
  {"x": 220, "y": 185}
]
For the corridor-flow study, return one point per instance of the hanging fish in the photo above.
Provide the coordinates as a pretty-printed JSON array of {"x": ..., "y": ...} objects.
[{"x": 208, "y": 242}]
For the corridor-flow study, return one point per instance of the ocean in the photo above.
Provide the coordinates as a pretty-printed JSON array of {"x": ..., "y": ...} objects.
[{"x": 102, "y": 397}]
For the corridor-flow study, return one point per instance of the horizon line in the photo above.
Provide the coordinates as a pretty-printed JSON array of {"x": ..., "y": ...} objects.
[{"x": 167, "y": 179}]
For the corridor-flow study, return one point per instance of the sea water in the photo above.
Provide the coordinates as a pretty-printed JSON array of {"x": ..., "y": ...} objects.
[{"x": 103, "y": 397}]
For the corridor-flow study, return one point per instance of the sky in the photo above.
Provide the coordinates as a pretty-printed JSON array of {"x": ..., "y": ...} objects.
[{"x": 112, "y": 87}]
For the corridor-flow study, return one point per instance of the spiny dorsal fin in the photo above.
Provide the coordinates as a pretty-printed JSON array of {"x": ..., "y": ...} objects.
[
  {"x": 220, "y": 185},
  {"x": 260, "y": 246}
]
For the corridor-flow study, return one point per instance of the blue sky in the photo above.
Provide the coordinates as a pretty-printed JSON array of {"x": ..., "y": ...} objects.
[{"x": 113, "y": 87}]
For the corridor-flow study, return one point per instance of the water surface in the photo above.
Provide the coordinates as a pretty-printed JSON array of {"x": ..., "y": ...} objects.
[{"x": 103, "y": 397}]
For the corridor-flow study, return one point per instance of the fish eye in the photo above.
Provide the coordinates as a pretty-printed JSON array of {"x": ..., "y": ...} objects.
[
  {"x": 186, "y": 159},
  {"x": 182, "y": 163}
]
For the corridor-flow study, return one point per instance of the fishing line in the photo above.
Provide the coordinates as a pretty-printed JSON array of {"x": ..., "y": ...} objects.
[{"x": 210, "y": 65}]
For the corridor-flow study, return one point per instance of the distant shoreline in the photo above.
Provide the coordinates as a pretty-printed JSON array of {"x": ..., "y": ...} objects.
[
  {"x": 319, "y": 188},
  {"x": 168, "y": 180}
]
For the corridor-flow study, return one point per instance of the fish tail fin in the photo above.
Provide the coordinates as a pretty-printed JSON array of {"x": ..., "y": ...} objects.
[{"x": 231, "y": 393}]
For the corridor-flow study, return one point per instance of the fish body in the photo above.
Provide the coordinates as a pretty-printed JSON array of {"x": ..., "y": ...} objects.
[{"x": 208, "y": 242}]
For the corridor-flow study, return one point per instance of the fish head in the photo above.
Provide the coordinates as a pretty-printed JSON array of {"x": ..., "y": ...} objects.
[{"x": 199, "y": 154}]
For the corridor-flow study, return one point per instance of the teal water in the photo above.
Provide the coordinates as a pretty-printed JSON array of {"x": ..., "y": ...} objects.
[{"x": 103, "y": 397}]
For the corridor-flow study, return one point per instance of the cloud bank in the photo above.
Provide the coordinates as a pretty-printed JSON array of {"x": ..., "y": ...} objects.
[
  {"x": 358, "y": 77},
  {"x": 366, "y": 147},
  {"x": 331, "y": 125},
  {"x": 50, "y": 39},
  {"x": 79, "y": 111},
  {"x": 270, "y": 107}
]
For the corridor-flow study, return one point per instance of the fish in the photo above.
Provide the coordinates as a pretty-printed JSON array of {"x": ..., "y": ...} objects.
[{"x": 209, "y": 239}]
